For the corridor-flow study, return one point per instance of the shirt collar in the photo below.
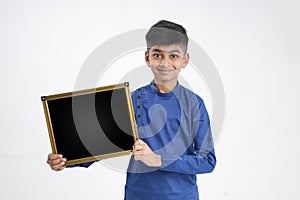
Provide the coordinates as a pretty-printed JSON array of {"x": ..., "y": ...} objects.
[{"x": 168, "y": 94}]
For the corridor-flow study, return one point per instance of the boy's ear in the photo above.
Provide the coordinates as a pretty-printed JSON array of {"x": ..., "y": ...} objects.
[
  {"x": 186, "y": 60},
  {"x": 147, "y": 57}
]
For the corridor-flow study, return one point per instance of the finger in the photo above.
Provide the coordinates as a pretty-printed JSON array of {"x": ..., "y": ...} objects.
[
  {"x": 140, "y": 153},
  {"x": 61, "y": 168},
  {"x": 134, "y": 151},
  {"x": 140, "y": 141},
  {"x": 136, "y": 142},
  {"x": 53, "y": 156},
  {"x": 138, "y": 147},
  {"x": 56, "y": 161},
  {"x": 57, "y": 167}
]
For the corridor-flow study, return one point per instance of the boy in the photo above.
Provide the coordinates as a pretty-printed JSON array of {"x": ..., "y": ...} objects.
[{"x": 173, "y": 125}]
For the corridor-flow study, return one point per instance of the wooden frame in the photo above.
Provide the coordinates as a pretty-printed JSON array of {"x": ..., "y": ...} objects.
[{"x": 91, "y": 124}]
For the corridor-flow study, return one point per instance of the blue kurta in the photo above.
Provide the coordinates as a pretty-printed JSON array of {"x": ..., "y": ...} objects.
[{"x": 176, "y": 126}]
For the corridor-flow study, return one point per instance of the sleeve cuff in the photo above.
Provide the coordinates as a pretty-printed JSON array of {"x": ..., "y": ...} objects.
[
  {"x": 168, "y": 163},
  {"x": 86, "y": 165}
]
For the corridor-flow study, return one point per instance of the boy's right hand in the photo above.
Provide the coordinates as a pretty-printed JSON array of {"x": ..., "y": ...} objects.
[{"x": 56, "y": 162}]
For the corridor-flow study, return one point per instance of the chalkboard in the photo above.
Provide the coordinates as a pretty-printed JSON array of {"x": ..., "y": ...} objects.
[{"x": 91, "y": 124}]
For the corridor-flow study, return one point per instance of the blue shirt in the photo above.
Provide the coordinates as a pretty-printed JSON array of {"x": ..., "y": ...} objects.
[{"x": 176, "y": 126}]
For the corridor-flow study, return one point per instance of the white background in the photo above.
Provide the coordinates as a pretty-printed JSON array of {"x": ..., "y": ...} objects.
[{"x": 253, "y": 44}]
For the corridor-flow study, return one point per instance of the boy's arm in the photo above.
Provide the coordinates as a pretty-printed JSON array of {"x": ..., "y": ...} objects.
[
  {"x": 198, "y": 163},
  {"x": 203, "y": 159}
]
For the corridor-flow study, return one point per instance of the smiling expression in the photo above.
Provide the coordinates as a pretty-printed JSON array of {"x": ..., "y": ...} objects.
[{"x": 166, "y": 61}]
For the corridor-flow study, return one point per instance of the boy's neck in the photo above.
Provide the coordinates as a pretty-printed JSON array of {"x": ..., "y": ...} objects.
[{"x": 165, "y": 87}]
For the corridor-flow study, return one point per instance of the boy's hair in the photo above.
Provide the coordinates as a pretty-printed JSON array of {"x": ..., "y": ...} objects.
[{"x": 167, "y": 33}]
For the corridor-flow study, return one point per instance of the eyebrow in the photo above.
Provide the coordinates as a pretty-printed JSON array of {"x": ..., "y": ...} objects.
[{"x": 171, "y": 51}]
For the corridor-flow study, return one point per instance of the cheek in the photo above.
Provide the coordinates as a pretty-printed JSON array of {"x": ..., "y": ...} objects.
[
  {"x": 152, "y": 68},
  {"x": 153, "y": 65},
  {"x": 153, "y": 62},
  {"x": 177, "y": 68}
]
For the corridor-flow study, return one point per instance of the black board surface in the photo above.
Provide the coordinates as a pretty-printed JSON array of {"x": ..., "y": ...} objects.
[{"x": 90, "y": 126}]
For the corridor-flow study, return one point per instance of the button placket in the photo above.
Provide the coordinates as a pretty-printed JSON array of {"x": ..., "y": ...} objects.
[{"x": 138, "y": 114}]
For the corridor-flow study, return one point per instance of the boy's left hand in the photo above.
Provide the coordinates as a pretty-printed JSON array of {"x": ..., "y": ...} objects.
[{"x": 141, "y": 151}]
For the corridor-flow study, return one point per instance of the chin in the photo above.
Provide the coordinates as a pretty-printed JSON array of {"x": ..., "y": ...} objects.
[{"x": 165, "y": 79}]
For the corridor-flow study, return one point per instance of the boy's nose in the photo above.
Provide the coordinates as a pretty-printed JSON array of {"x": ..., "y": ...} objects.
[{"x": 166, "y": 62}]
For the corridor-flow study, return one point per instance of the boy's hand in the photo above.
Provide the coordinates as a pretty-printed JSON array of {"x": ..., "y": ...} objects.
[
  {"x": 142, "y": 152},
  {"x": 56, "y": 162}
]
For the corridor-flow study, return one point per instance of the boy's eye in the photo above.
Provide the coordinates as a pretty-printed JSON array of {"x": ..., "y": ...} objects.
[
  {"x": 157, "y": 55},
  {"x": 173, "y": 56}
]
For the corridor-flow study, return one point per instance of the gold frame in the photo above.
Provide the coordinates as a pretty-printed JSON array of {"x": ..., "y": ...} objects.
[{"x": 45, "y": 100}]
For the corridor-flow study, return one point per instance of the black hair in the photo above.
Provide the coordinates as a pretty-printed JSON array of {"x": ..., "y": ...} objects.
[
  {"x": 167, "y": 33},
  {"x": 170, "y": 25}
]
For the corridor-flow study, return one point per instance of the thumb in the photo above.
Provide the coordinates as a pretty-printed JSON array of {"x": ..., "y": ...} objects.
[{"x": 139, "y": 141}]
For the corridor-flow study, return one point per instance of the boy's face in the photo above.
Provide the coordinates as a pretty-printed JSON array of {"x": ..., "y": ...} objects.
[{"x": 166, "y": 61}]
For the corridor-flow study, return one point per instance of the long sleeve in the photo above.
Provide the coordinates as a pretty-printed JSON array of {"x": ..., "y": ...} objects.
[
  {"x": 201, "y": 158},
  {"x": 176, "y": 126},
  {"x": 86, "y": 165}
]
